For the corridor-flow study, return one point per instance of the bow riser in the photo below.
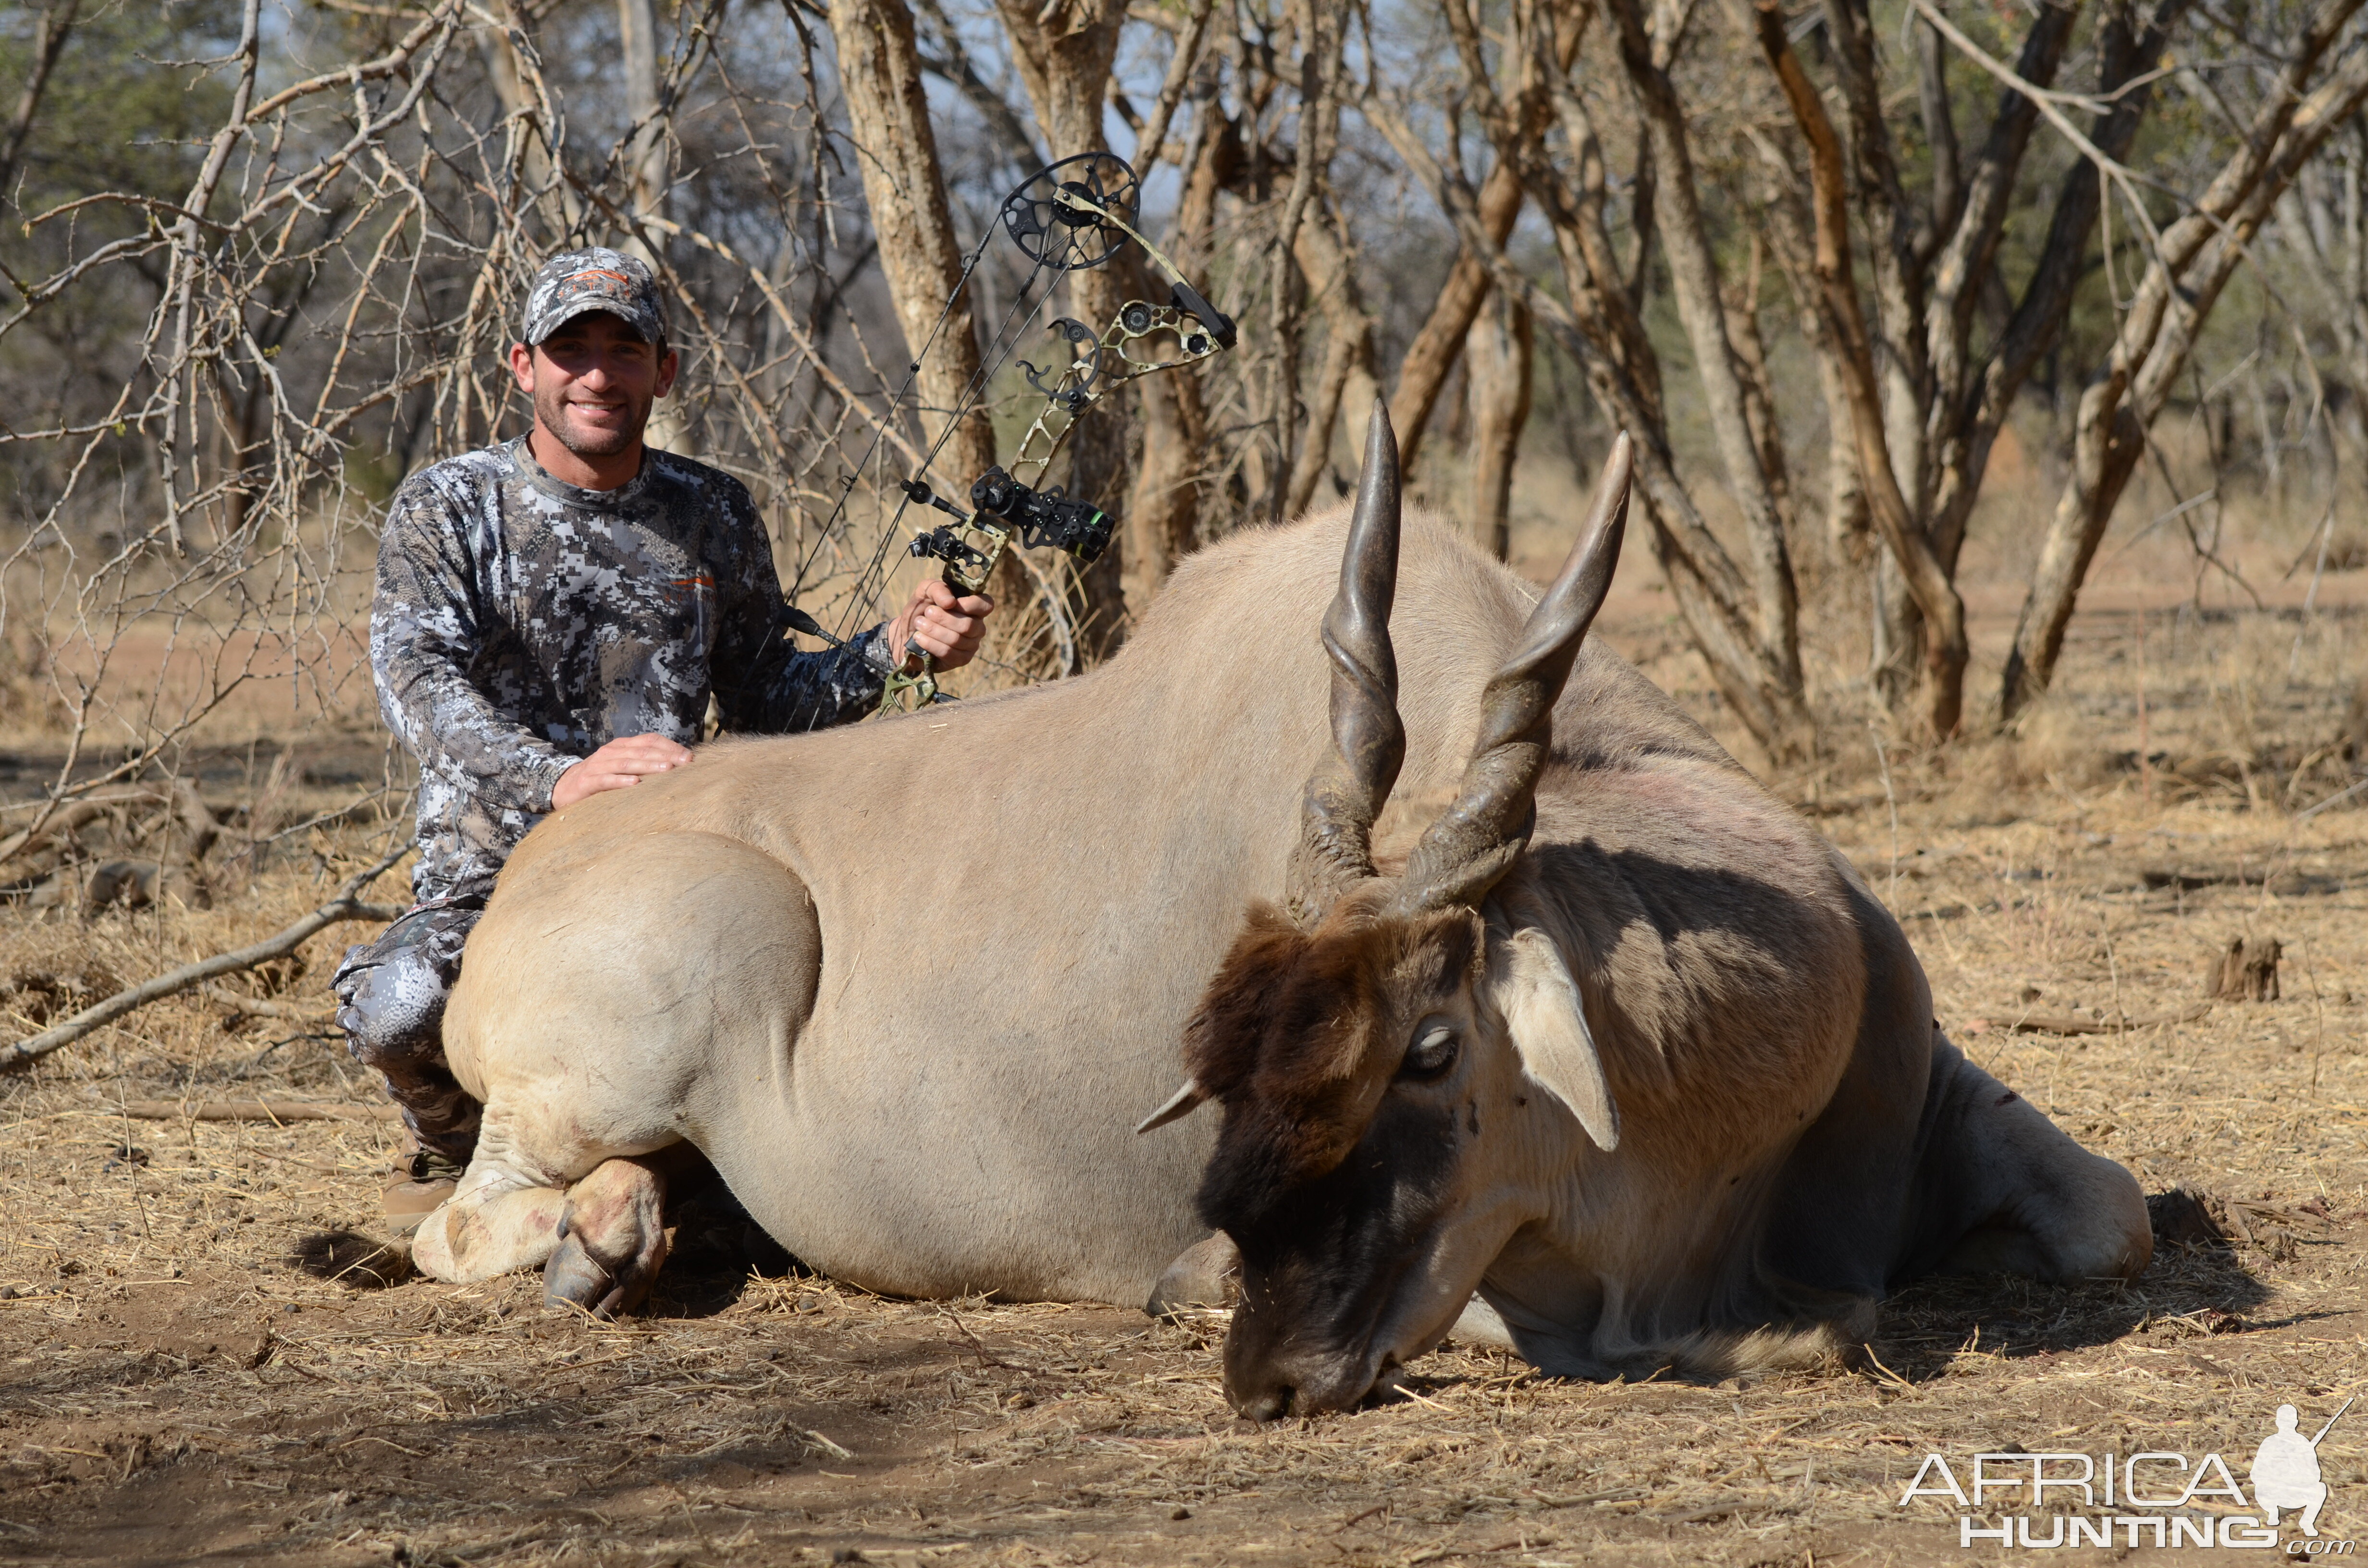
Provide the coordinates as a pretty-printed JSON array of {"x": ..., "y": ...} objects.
[{"x": 1113, "y": 361}]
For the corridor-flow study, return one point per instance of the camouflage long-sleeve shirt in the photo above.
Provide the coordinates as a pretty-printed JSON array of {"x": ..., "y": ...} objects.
[{"x": 521, "y": 623}]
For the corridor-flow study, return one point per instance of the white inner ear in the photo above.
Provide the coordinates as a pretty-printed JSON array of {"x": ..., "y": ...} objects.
[{"x": 1540, "y": 1005}]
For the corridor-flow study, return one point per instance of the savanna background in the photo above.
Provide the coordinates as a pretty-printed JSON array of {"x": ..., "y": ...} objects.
[{"x": 1996, "y": 372}]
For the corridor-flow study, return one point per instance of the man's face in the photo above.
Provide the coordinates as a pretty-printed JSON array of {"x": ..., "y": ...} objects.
[{"x": 593, "y": 380}]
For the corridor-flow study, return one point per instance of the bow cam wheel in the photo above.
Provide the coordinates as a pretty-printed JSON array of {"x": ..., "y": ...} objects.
[{"x": 1055, "y": 216}]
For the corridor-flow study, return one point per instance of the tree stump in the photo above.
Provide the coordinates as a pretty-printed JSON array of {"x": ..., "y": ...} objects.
[{"x": 2247, "y": 972}]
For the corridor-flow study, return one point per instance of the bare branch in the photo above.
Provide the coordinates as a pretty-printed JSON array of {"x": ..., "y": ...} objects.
[
  {"x": 346, "y": 905},
  {"x": 49, "y": 35}
]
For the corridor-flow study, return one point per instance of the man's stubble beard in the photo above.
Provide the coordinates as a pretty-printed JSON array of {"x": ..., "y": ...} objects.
[{"x": 550, "y": 413}]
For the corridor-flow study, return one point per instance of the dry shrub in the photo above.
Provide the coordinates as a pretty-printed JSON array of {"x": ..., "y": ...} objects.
[
  {"x": 2244, "y": 681},
  {"x": 2053, "y": 743}
]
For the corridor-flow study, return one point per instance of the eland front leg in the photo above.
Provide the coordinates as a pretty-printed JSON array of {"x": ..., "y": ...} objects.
[
  {"x": 611, "y": 1239},
  {"x": 600, "y": 1238},
  {"x": 588, "y": 1216},
  {"x": 612, "y": 1003}
]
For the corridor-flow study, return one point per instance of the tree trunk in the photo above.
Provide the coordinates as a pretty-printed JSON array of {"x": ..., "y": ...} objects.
[
  {"x": 1497, "y": 362},
  {"x": 523, "y": 99},
  {"x": 1849, "y": 527},
  {"x": 1693, "y": 273},
  {"x": 1322, "y": 36},
  {"x": 1897, "y": 246},
  {"x": 644, "y": 155},
  {"x": 1944, "y": 646},
  {"x": 1741, "y": 305},
  {"x": 1162, "y": 508},
  {"x": 887, "y": 108},
  {"x": 1430, "y": 358},
  {"x": 2190, "y": 266},
  {"x": 1597, "y": 322},
  {"x": 1929, "y": 311},
  {"x": 953, "y": 64},
  {"x": 1849, "y": 523},
  {"x": 1347, "y": 379},
  {"x": 645, "y": 159},
  {"x": 1895, "y": 652},
  {"x": 1063, "y": 53},
  {"x": 49, "y": 35}
]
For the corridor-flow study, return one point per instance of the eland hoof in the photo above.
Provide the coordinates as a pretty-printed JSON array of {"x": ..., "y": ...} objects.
[
  {"x": 570, "y": 1279},
  {"x": 575, "y": 1276}
]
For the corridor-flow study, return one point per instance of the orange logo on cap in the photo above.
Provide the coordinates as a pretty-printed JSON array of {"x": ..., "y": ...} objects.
[{"x": 599, "y": 272}]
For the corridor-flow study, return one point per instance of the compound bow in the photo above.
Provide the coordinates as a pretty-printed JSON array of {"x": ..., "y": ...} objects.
[{"x": 1073, "y": 216}]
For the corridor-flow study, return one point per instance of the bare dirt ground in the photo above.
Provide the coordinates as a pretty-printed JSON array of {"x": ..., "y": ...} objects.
[{"x": 202, "y": 1358}]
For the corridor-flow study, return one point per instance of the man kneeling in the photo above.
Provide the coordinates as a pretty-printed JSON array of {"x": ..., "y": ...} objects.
[{"x": 552, "y": 616}]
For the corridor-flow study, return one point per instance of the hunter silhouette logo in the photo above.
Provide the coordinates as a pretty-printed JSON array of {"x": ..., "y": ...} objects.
[
  {"x": 2285, "y": 1469},
  {"x": 2153, "y": 1497}
]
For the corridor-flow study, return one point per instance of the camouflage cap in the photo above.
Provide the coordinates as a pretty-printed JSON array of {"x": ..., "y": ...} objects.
[{"x": 597, "y": 279}]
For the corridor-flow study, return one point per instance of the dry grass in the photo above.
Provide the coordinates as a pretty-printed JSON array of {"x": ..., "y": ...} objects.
[{"x": 182, "y": 1383}]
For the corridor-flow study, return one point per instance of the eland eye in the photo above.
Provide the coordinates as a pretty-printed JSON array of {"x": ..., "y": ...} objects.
[{"x": 1433, "y": 1051}]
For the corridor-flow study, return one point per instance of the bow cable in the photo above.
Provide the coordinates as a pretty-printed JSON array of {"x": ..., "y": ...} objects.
[
  {"x": 880, "y": 429},
  {"x": 1004, "y": 339},
  {"x": 1062, "y": 225}
]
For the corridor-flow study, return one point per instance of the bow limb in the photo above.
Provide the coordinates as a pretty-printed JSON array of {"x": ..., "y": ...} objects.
[
  {"x": 1186, "y": 297},
  {"x": 1115, "y": 359}
]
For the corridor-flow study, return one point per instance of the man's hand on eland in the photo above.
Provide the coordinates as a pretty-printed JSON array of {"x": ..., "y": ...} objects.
[
  {"x": 624, "y": 761},
  {"x": 949, "y": 628}
]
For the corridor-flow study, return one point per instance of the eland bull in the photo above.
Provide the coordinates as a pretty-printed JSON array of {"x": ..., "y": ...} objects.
[{"x": 1621, "y": 1043}]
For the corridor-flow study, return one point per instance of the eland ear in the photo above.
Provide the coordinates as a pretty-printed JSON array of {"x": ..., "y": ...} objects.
[
  {"x": 1541, "y": 1004},
  {"x": 1180, "y": 1104}
]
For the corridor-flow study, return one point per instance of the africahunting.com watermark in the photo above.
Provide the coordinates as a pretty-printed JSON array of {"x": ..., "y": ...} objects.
[{"x": 2034, "y": 1502}]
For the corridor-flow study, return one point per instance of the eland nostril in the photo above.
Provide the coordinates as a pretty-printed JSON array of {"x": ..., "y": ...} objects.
[{"x": 1270, "y": 1403}]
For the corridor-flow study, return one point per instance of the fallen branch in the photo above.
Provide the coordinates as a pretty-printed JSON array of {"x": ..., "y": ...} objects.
[
  {"x": 2073, "y": 1023},
  {"x": 345, "y": 906},
  {"x": 74, "y": 816},
  {"x": 258, "y": 1007},
  {"x": 252, "y": 1110}
]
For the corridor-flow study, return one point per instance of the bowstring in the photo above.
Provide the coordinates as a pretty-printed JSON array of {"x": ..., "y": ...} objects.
[
  {"x": 1000, "y": 346},
  {"x": 879, "y": 430},
  {"x": 1004, "y": 340}
]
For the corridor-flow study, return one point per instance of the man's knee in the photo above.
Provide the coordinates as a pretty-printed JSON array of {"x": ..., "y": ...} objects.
[
  {"x": 394, "y": 991},
  {"x": 393, "y": 1014}
]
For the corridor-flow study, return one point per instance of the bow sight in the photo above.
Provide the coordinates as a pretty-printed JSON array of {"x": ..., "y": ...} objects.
[
  {"x": 1072, "y": 216},
  {"x": 1038, "y": 517}
]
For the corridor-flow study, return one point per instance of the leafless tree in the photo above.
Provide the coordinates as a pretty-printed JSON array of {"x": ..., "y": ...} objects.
[
  {"x": 2308, "y": 84},
  {"x": 225, "y": 349}
]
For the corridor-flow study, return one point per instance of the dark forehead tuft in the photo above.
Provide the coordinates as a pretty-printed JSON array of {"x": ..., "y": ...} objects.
[
  {"x": 1221, "y": 1040},
  {"x": 1296, "y": 1035},
  {"x": 1436, "y": 952}
]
